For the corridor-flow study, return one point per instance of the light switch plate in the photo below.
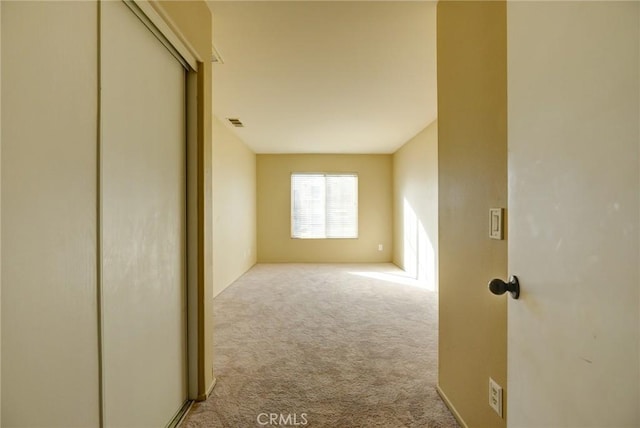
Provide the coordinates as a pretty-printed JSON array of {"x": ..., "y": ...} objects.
[{"x": 495, "y": 223}]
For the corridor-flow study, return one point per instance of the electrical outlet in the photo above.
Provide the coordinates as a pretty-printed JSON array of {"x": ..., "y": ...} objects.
[
  {"x": 495, "y": 396},
  {"x": 380, "y": 247}
]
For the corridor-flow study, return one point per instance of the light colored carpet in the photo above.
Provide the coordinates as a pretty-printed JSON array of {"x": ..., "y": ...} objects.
[{"x": 345, "y": 345}]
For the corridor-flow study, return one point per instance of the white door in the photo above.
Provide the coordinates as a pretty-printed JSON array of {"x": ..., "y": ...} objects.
[
  {"x": 573, "y": 336},
  {"x": 143, "y": 224}
]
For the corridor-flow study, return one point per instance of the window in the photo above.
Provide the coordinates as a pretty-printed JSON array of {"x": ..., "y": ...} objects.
[{"x": 324, "y": 206}]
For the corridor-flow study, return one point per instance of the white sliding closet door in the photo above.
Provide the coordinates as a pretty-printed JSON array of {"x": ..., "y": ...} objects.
[
  {"x": 143, "y": 224},
  {"x": 49, "y": 228}
]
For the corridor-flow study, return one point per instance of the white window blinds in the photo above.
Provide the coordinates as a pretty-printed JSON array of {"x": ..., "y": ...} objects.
[{"x": 324, "y": 206}]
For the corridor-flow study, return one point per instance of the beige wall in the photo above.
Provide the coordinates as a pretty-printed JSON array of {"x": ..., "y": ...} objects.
[
  {"x": 472, "y": 174},
  {"x": 234, "y": 207},
  {"x": 415, "y": 206},
  {"x": 374, "y": 205},
  {"x": 574, "y": 339}
]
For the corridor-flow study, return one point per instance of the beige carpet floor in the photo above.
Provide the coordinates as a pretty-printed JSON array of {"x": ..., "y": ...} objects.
[{"x": 324, "y": 346}]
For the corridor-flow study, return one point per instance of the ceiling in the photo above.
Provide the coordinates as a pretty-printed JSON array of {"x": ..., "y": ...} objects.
[{"x": 325, "y": 77}]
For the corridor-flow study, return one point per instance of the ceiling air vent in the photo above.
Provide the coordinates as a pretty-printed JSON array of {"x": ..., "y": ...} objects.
[
  {"x": 235, "y": 122},
  {"x": 215, "y": 56}
]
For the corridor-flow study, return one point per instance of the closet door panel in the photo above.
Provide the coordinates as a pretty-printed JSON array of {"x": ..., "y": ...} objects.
[
  {"x": 143, "y": 223},
  {"x": 49, "y": 218}
]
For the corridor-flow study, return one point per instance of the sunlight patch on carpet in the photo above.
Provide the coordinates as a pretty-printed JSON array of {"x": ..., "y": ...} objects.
[{"x": 396, "y": 278}]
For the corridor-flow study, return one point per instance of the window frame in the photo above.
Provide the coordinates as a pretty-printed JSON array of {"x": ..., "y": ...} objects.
[{"x": 325, "y": 174}]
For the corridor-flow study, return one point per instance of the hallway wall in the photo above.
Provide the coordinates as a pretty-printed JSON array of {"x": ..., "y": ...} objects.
[
  {"x": 472, "y": 175},
  {"x": 234, "y": 207}
]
